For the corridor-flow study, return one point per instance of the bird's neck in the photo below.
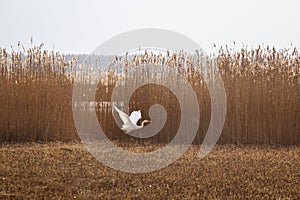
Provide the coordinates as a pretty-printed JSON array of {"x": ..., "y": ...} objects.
[{"x": 143, "y": 123}]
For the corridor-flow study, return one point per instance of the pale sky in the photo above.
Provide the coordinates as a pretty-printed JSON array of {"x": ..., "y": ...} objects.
[{"x": 80, "y": 26}]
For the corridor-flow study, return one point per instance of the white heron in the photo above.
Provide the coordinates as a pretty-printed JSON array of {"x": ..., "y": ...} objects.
[{"x": 130, "y": 122}]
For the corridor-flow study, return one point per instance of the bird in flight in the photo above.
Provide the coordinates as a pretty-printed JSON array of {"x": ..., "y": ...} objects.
[{"x": 130, "y": 122}]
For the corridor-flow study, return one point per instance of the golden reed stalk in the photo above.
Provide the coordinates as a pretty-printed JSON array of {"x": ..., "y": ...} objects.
[{"x": 262, "y": 87}]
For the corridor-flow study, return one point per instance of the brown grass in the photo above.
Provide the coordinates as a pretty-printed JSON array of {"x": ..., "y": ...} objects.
[
  {"x": 68, "y": 171},
  {"x": 35, "y": 101},
  {"x": 262, "y": 87}
]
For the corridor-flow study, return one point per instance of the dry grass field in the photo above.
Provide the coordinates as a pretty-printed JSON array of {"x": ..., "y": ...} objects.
[{"x": 67, "y": 171}]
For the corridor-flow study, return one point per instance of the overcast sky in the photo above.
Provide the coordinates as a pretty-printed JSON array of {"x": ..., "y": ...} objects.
[{"x": 80, "y": 26}]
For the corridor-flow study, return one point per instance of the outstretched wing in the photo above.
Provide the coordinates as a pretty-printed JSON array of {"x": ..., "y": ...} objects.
[
  {"x": 135, "y": 116},
  {"x": 124, "y": 117}
]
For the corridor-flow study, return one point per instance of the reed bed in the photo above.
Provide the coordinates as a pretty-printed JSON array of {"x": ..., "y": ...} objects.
[
  {"x": 262, "y": 88},
  {"x": 35, "y": 97}
]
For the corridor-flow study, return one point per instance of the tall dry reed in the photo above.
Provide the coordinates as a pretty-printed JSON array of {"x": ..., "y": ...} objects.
[{"x": 262, "y": 88}]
